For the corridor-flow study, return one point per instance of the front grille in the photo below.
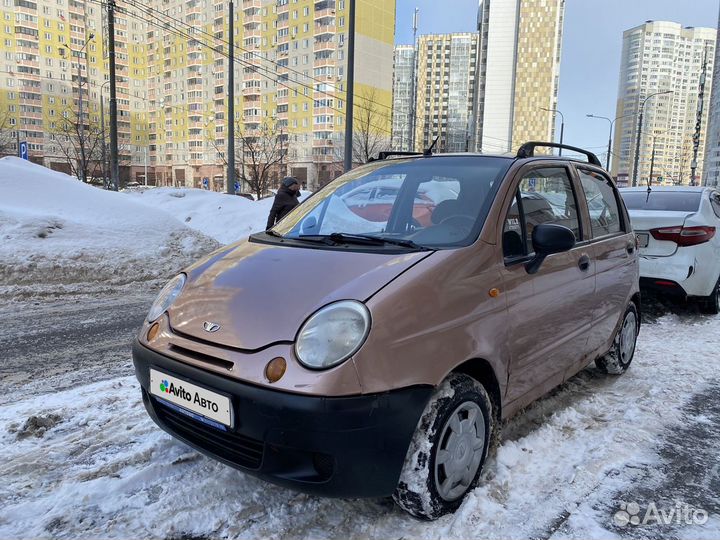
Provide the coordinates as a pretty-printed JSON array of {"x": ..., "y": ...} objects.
[{"x": 238, "y": 449}]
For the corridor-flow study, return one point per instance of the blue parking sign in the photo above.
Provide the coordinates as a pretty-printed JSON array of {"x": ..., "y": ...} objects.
[
  {"x": 206, "y": 183},
  {"x": 24, "y": 150},
  {"x": 237, "y": 186}
]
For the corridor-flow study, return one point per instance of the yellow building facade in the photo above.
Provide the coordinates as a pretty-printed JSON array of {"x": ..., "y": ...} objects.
[{"x": 290, "y": 79}]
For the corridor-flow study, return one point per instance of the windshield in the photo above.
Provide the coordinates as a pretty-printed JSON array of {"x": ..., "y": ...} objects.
[
  {"x": 677, "y": 201},
  {"x": 428, "y": 202}
]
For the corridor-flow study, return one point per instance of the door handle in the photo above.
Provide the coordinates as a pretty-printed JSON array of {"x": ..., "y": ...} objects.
[{"x": 584, "y": 262}]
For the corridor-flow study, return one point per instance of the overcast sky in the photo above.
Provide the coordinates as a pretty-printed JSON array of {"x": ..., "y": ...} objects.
[{"x": 592, "y": 42}]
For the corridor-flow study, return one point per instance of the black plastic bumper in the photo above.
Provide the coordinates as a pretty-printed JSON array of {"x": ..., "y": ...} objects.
[{"x": 337, "y": 447}]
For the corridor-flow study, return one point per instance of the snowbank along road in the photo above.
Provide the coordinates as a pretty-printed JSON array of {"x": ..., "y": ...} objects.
[{"x": 80, "y": 458}]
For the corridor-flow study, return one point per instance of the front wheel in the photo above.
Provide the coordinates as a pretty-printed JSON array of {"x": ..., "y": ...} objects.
[
  {"x": 618, "y": 358},
  {"x": 448, "y": 449}
]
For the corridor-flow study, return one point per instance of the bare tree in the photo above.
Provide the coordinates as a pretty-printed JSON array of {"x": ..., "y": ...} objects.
[
  {"x": 371, "y": 128},
  {"x": 371, "y": 131},
  {"x": 259, "y": 154},
  {"x": 7, "y": 135},
  {"x": 80, "y": 146}
]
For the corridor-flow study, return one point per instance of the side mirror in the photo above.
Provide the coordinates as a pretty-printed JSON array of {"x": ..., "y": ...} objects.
[{"x": 549, "y": 238}]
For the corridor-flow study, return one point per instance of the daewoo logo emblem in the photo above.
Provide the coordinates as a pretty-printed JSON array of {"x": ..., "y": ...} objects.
[{"x": 211, "y": 326}]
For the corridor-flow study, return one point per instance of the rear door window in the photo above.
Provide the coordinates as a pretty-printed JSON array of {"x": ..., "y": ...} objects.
[{"x": 602, "y": 204}]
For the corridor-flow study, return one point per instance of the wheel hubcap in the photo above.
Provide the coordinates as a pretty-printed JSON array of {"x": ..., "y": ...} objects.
[
  {"x": 627, "y": 337},
  {"x": 462, "y": 442}
]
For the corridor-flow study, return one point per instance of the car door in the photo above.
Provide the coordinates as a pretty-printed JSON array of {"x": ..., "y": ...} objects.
[
  {"x": 612, "y": 244},
  {"x": 550, "y": 312}
]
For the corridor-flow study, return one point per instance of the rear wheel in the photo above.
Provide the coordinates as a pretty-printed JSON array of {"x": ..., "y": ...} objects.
[
  {"x": 710, "y": 305},
  {"x": 618, "y": 358},
  {"x": 448, "y": 449}
]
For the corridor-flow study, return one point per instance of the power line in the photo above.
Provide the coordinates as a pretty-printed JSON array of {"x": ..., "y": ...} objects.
[
  {"x": 150, "y": 11},
  {"x": 178, "y": 32}
]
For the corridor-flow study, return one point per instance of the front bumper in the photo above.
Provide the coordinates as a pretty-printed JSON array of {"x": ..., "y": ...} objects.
[{"x": 331, "y": 446}]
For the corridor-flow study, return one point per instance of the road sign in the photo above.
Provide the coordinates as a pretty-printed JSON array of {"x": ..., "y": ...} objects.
[
  {"x": 206, "y": 183},
  {"x": 24, "y": 150},
  {"x": 237, "y": 186}
]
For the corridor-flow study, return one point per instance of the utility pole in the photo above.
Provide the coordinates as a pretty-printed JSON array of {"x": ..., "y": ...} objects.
[
  {"x": 103, "y": 148},
  {"x": 114, "y": 167},
  {"x": 698, "y": 120},
  {"x": 282, "y": 165},
  {"x": 349, "y": 90},
  {"x": 231, "y": 103},
  {"x": 146, "y": 167},
  {"x": 416, "y": 16},
  {"x": 638, "y": 136},
  {"x": 612, "y": 123}
]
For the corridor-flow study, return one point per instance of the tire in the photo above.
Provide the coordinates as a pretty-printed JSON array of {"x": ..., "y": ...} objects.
[
  {"x": 710, "y": 305},
  {"x": 617, "y": 360},
  {"x": 449, "y": 430}
]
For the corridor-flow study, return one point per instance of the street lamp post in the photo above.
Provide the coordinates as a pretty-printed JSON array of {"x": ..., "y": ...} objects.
[
  {"x": 639, "y": 134},
  {"x": 612, "y": 123},
  {"x": 562, "y": 124}
]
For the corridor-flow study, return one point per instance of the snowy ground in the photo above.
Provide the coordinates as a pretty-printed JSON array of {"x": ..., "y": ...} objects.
[
  {"x": 226, "y": 218},
  {"x": 87, "y": 462},
  {"x": 58, "y": 235}
]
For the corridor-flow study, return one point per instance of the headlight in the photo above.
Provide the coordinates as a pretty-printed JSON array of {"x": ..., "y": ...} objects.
[
  {"x": 167, "y": 296},
  {"x": 333, "y": 334}
]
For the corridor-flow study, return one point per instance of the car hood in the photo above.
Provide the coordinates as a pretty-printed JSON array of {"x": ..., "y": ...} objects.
[{"x": 259, "y": 294}]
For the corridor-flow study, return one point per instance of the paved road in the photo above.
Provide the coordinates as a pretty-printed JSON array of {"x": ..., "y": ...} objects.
[{"x": 58, "y": 344}]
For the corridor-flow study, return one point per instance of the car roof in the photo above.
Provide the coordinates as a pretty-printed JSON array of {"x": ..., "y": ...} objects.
[{"x": 676, "y": 189}]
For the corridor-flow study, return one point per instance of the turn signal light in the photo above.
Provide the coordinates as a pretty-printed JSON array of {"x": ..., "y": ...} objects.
[
  {"x": 153, "y": 332},
  {"x": 275, "y": 369}
]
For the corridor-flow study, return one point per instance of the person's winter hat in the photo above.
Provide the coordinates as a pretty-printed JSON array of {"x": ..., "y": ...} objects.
[{"x": 289, "y": 181}]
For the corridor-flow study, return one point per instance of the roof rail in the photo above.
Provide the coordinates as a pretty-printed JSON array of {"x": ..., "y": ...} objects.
[
  {"x": 528, "y": 150},
  {"x": 389, "y": 153}
]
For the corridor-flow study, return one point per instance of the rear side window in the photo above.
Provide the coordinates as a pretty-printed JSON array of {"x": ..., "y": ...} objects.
[
  {"x": 677, "y": 201},
  {"x": 602, "y": 204},
  {"x": 544, "y": 196}
]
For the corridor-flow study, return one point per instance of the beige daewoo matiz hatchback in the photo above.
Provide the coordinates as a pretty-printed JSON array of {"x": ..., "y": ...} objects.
[{"x": 372, "y": 342}]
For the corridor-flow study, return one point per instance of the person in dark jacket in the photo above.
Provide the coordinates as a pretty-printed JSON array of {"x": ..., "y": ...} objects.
[{"x": 285, "y": 200}]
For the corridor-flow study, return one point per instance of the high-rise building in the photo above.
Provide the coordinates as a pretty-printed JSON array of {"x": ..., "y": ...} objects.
[
  {"x": 172, "y": 70},
  {"x": 487, "y": 91},
  {"x": 661, "y": 69},
  {"x": 518, "y": 72},
  {"x": 711, "y": 166},
  {"x": 53, "y": 54},
  {"x": 403, "y": 107},
  {"x": 445, "y": 90}
]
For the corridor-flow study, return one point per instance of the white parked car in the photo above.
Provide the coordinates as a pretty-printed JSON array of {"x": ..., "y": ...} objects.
[{"x": 679, "y": 247}]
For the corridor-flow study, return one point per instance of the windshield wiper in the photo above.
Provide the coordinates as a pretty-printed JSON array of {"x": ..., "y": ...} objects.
[{"x": 362, "y": 239}]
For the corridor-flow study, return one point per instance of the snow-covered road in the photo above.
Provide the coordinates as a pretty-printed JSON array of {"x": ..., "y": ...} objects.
[{"x": 86, "y": 461}]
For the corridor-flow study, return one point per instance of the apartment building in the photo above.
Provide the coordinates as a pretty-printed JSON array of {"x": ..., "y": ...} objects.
[
  {"x": 711, "y": 166},
  {"x": 403, "y": 106},
  {"x": 52, "y": 51},
  {"x": 172, "y": 64},
  {"x": 489, "y": 90},
  {"x": 662, "y": 65}
]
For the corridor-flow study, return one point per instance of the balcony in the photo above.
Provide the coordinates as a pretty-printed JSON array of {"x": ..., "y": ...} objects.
[
  {"x": 324, "y": 13},
  {"x": 325, "y": 29},
  {"x": 328, "y": 45}
]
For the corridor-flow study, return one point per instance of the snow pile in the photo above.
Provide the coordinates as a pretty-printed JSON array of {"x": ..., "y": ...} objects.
[
  {"x": 56, "y": 232},
  {"x": 226, "y": 218},
  {"x": 88, "y": 463}
]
